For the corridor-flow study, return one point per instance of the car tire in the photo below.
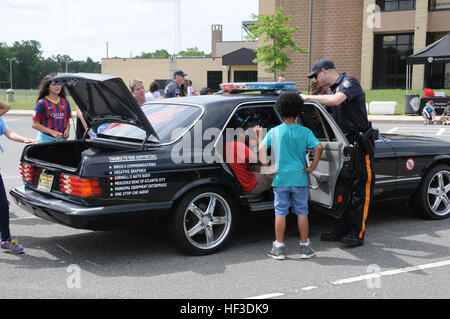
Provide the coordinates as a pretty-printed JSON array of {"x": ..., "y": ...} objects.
[
  {"x": 432, "y": 200},
  {"x": 203, "y": 221}
]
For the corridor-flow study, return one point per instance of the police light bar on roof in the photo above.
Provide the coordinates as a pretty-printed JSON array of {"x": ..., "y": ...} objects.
[{"x": 258, "y": 86}]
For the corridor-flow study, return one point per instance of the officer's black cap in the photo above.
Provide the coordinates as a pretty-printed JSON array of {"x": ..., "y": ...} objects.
[
  {"x": 320, "y": 65},
  {"x": 179, "y": 72}
]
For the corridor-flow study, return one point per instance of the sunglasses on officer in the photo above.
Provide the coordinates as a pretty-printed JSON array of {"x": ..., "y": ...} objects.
[{"x": 317, "y": 74}]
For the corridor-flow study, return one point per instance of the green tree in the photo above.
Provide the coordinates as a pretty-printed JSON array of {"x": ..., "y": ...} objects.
[
  {"x": 277, "y": 36},
  {"x": 29, "y": 67},
  {"x": 158, "y": 54},
  {"x": 192, "y": 52},
  {"x": 27, "y": 63},
  {"x": 5, "y": 55},
  {"x": 91, "y": 67}
]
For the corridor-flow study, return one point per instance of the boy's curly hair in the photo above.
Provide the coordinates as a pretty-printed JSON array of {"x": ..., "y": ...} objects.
[{"x": 289, "y": 104}]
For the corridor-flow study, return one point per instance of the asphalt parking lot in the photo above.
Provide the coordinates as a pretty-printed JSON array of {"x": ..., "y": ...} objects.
[{"x": 404, "y": 257}]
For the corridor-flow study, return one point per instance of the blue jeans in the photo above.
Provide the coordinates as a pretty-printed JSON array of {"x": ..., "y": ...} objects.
[
  {"x": 298, "y": 195},
  {"x": 4, "y": 212}
]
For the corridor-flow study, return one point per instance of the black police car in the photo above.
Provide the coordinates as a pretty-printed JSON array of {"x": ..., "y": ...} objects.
[{"x": 164, "y": 163}]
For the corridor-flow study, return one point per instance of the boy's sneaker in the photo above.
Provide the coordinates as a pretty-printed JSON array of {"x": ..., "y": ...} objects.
[
  {"x": 277, "y": 253},
  {"x": 12, "y": 245},
  {"x": 306, "y": 252}
]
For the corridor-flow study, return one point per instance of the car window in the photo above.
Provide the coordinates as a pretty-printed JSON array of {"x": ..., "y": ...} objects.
[
  {"x": 313, "y": 119},
  {"x": 249, "y": 116},
  {"x": 170, "y": 121}
]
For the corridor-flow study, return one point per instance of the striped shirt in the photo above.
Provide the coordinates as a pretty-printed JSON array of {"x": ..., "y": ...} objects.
[{"x": 53, "y": 114}]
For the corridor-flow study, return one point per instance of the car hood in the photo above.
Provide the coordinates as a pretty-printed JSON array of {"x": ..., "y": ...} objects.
[{"x": 103, "y": 98}]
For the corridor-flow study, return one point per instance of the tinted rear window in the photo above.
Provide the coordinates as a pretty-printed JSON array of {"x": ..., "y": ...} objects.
[{"x": 164, "y": 118}]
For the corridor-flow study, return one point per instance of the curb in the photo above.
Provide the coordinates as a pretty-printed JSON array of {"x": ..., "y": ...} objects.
[{"x": 396, "y": 119}]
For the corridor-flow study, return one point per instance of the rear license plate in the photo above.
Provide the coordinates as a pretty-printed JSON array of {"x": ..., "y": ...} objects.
[{"x": 45, "y": 182}]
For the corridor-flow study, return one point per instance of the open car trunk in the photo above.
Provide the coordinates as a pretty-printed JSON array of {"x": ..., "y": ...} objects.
[{"x": 65, "y": 156}]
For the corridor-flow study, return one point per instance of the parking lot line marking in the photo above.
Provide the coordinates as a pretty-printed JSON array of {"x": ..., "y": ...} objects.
[
  {"x": 441, "y": 131},
  {"x": 391, "y": 272},
  {"x": 19, "y": 218},
  {"x": 267, "y": 296},
  {"x": 309, "y": 288},
  {"x": 392, "y": 130}
]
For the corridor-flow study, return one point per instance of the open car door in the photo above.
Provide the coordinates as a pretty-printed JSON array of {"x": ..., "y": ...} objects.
[{"x": 331, "y": 182}]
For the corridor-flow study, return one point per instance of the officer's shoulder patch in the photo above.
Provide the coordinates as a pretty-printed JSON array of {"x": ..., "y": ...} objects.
[{"x": 346, "y": 84}]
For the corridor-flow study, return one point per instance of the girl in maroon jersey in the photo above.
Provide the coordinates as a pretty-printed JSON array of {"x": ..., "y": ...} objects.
[{"x": 52, "y": 112}]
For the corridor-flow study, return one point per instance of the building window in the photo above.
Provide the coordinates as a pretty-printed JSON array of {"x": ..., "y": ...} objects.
[
  {"x": 439, "y": 5},
  {"x": 245, "y": 76},
  {"x": 396, "y": 5},
  {"x": 389, "y": 64},
  {"x": 214, "y": 78}
]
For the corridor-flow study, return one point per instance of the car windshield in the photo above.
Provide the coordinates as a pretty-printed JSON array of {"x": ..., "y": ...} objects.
[{"x": 170, "y": 122}]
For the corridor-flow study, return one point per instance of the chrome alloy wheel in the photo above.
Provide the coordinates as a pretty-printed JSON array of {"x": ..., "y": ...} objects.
[
  {"x": 438, "y": 193},
  {"x": 207, "y": 220}
]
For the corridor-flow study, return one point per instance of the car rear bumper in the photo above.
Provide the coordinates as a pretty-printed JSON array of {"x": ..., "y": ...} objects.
[{"x": 113, "y": 217}]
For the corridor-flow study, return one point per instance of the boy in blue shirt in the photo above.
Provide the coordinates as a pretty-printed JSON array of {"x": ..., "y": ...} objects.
[
  {"x": 289, "y": 143},
  {"x": 429, "y": 113}
]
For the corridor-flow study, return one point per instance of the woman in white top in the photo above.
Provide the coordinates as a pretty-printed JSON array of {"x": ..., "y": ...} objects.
[{"x": 190, "y": 89}]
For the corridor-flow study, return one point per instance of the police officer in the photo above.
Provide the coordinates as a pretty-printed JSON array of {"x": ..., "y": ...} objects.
[
  {"x": 173, "y": 89},
  {"x": 348, "y": 100}
]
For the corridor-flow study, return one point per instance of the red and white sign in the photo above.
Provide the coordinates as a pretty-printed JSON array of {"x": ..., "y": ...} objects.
[{"x": 410, "y": 164}]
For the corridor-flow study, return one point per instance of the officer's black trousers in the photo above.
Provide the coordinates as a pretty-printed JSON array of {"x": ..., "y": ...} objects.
[{"x": 355, "y": 216}]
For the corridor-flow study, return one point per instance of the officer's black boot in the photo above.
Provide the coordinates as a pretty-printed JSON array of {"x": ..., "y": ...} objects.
[{"x": 352, "y": 240}]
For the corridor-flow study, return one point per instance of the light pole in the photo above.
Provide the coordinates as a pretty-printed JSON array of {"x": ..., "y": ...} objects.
[
  {"x": 10, "y": 72},
  {"x": 310, "y": 40}
]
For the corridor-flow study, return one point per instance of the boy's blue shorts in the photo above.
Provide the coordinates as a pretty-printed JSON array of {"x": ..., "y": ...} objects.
[{"x": 298, "y": 195}]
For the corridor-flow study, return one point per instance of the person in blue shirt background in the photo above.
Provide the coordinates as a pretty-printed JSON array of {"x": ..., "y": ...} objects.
[
  {"x": 289, "y": 143},
  {"x": 173, "y": 89},
  {"x": 6, "y": 241}
]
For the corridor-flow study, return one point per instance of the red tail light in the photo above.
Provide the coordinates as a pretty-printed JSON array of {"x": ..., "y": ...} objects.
[
  {"x": 77, "y": 186},
  {"x": 29, "y": 174}
]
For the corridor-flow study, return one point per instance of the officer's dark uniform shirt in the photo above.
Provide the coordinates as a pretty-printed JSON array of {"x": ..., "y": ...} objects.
[
  {"x": 173, "y": 90},
  {"x": 350, "y": 115}
]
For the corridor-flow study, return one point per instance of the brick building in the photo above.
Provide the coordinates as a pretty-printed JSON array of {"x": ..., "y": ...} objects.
[{"x": 369, "y": 39}]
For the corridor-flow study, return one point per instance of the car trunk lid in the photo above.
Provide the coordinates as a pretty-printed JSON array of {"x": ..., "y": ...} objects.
[{"x": 105, "y": 99}]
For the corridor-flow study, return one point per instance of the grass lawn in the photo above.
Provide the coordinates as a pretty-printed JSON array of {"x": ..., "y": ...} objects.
[
  {"x": 26, "y": 99},
  {"x": 396, "y": 95}
]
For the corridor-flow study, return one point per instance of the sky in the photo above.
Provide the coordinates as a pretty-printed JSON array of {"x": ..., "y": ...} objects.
[{"x": 81, "y": 28}]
